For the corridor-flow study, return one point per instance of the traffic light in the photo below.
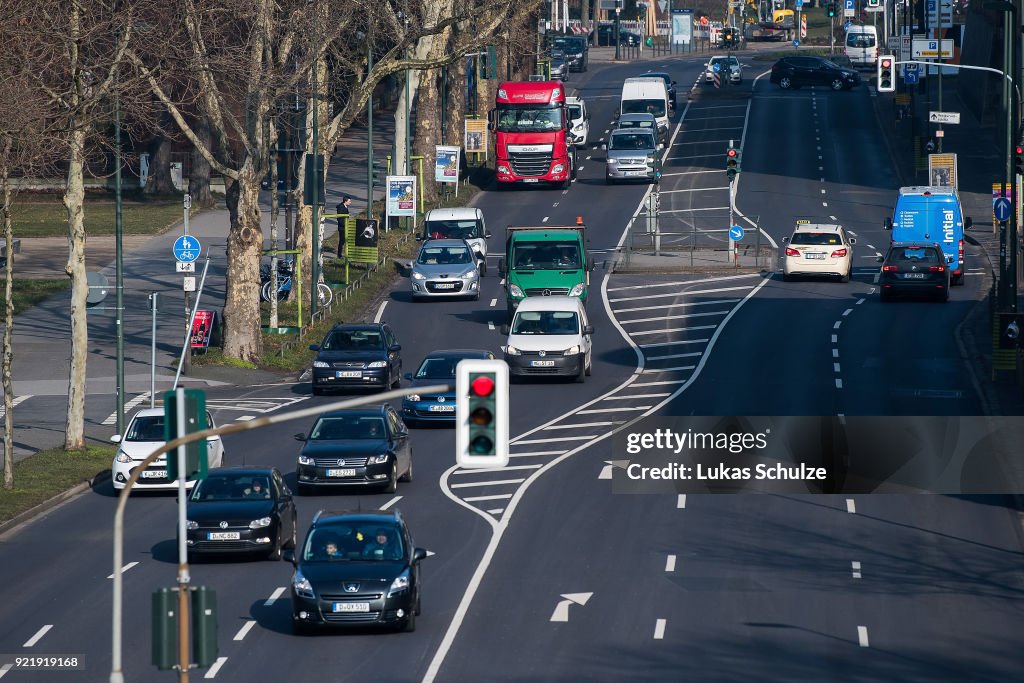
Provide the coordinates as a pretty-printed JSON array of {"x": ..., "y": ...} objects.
[
  {"x": 832, "y": 7},
  {"x": 1018, "y": 159},
  {"x": 165, "y": 628},
  {"x": 193, "y": 403},
  {"x": 885, "y": 79},
  {"x": 204, "y": 625},
  {"x": 491, "y": 72},
  {"x": 379, "y": 172},
  {"x": 481, "y": 413},
  {"x": 874, "y": 3},
  {"x": 732, "y": 162}
]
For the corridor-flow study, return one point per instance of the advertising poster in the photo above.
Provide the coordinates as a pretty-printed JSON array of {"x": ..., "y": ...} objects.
[
  {"x": 202, "y": 327},
  {"x": 942, "y": 170},
  {"x": 361, "y": 237},
  {"x": 446, "y": 164},
  {"x": 401, "y": 195},
  {"x": 682, "y": 26},
  {"x": 476, "y": 135}
]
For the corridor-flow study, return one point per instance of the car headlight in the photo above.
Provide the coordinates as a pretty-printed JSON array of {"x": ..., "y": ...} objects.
[
  {"x": 469, "y": 274},
  {"x": 572, "y": 351},
  {"x": 515, "y": 291},
  {"x": 513, "y": 351},
  {"x": 502, "y": 168},
  {"x": 612, "y": 161},
  {"x": 413, "y": 398},
  {"x": 577, "y": 290},
  {"x": 417, "y": 275},
  {"x": 122, "y": 457},
  {"x": 651, "y": 160},
  {"x": 190, "y": 524},
  {"x": 302, "y": 586},
  {"x": 378, "y": 459},
  {"x": 400, "y": 584},
  {"x": 558, "y": 168},
  {"x": 321, "y": 364},
  {"x": 378, "y": 364},
  {"x": 260, "y": 523},
  {"x": 306, "y": 460}
]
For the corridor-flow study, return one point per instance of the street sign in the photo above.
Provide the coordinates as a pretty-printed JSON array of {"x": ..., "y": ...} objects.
[
  {"x": 796, "y": 43},
  {"x": 799, "y": 4},
  {"x": 183, "y": 267},
  {"x": 717, "y": 66},
  {"x": 944, "y": 116},
  {"x": 910, "y": 77},
  {"x": 189, "y": 283},
  {"x": 923, "y": 48},
  {"x": 736, "y": 233},
  {"x": 848, "y": 8},
  {"x": 1001, "y": 208},
  {"x": 187, "y": 248}
]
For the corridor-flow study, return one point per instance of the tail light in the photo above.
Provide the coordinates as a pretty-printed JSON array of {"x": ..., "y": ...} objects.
[
  {"x": 889, "y": 269},
  {"x": 839, "y": 253},
  {"x": 790, "y": 251},
  {"x": 937, "y": 269},
  {"x": 960, "y": 252}
]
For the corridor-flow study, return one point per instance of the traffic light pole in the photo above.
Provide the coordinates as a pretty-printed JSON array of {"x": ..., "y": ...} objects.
[{"x": 184, "y": 579}]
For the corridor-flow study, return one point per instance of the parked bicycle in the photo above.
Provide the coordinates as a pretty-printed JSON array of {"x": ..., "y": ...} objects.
[{"x": 284, "y": 287}]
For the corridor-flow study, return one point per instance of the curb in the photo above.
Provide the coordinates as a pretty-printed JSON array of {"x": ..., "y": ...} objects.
[{"x": 32, "y": 513}]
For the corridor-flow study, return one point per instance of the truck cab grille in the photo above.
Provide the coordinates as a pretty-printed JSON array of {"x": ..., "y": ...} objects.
[{"x": 530, "y": 163}]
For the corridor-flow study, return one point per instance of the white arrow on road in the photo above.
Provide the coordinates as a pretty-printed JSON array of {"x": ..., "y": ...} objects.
[
  {"x": 561, "y": 612},
  {"x": 606, "y": 471}
]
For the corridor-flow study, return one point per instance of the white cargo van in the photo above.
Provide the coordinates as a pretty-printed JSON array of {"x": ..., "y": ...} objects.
[
  {"x": 549, "y": 335},
  {"x": 645, "y": 95},
  {"x": 862, "y": 45}
]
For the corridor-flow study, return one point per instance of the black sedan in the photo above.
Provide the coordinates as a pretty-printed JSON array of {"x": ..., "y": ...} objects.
[
  {"x": 606, "y": 36},
  {"x": 914, "y": 268},
  {"x": 437, "y": 368},
  {"x": 241, "y": 510},
  {"x": 366, "y": 446},
  {"x": 356, "y": 569},
  {"x": 793, "y": 72},
  {"x": 357, "y": 356}
]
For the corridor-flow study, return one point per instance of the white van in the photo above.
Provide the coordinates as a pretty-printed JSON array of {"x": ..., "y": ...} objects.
[
  {"x": 579, "y": 120},
  {"x": 460, "y": 223},
  {"x": 862, "y": 45},
  {"x": 549, "y": 336},
  {"x": 645, "y": 95}
]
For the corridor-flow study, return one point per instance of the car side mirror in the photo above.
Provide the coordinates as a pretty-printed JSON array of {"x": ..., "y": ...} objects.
[
  {"x": 968, "y": 223},
  {"x": 300, "y": 437},
  {"x": 604, "y": 148},
  {"x": 673, "y": 83},
  {"x": 661, "y": 146},
  {"x": 505, "y": 329},
  {"x": 887, "y": 223},
  {"x": 395, "y": 347},
  {"x": 419, "y": 554},
  {"x": 116, "y": 438},
  {"x": 853, "y": 240},
  {"x": 314, "y": 347},
  {"x": 408, "y": 376},
  {"x": 288, "y": 555},
  {"x": 785, "y": 240},
  {"x": 588, "y": 329},
  {"x": 880, "y": 259}
]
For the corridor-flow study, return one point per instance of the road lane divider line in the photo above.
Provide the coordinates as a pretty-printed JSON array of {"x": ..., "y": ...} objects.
[
  {"x": 5, "y": 668},
  {"x": 489, "y": 482},
  {"x": 500, "y": 496},
  {"x": 856, "y": 569},
  {"x": 659, "y": 629},
  {"x": 839, "y": 383},
  {"x": 862, "y": 636},
  {"x": 554, "y": 440},
  {"x": 215, "y": 667},
  {"x": 677, "y": 329},
  {"x": 477, "y": 470},
  {"x": 380, "y": 311},
  {"x": 391, "y": 502},
  {"x": 835, "y": 367},
  {"x": 245, "y": 629},
  {"x": 534, "y": 454},
  {"x": 490, "y": 325},
  {"x": 494, "y": 302},
  {"x": 580, "y": 425},
  {"x": 681, "y": 501},
  {"x": 837, "y": 325},
  {"x": 124, "y": 568},
  {"x": 39, "y": 634},
  {"x": 611, "y": 410},
  {"x": 670, "y": 563},
  {"x": 278, "y": 592},
  {"x": 627, "y": 397},
  {"x": 654, "y": 345},
  {"x": 851, "y": 506},
  {"x": 681, "y": 316}
]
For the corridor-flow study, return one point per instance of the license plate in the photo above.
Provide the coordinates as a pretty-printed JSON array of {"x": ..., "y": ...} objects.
[
  {"x": 814, "y": 255},
  {"x": 341, "y": 473},
  {"x": 348, "y": 373},
  {"x": 445, "y": 285},
  {"x": 442, "y": 409},
  {"x": 914, "y": 276},
  {"x": 631, "y": 173},
  {"x": 531, "y": 180},
  {"x": 154, "y": 474},
  {"x": 351, "y": 607},
  {"x": 222, "y": 536},
  {"x": 542, "y": 363}
]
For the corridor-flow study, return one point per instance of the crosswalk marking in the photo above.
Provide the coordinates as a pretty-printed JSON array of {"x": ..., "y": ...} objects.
[
  {"x": 130, "y": 405},
  {"x": 17, "y": 400}
]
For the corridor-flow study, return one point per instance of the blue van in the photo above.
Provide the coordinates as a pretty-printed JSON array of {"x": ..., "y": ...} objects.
[{"x": 932, "y": 214}]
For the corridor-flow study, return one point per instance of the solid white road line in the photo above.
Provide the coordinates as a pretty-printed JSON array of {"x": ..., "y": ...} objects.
[
  {"x": 112, "y": 418},
  {"x": 477, "y": 470},
  {"x": 39, "y": 634},
  {"x": 4, "y": 669},
  {"x": 245, "y": 418},
  {"x": 681, "y": 501},
  {"x": 611, "y": 410},
  {"x": 675, "y": 355},
  {"x": 502, "y": 496},
  {"x": 856, "y": 570},
  {"x": 670, "y": 563},
  {"x": 862, "y": 636},
  {"x": 245, "y": 629},
  {"x": 581, "y": 424},
  {"x": 651, "y": 384},
  {"x": 496, "y": 511},
  {"x": 489, "y": 482},
  {"x": 533, "y": 454},
  {"x": 278, "y": 592},
  {"x": 672, "y": 343},
  {"x": 678, "y": 304},
  {"x": 681, "y": 316},
  {"x": 124, "y": 568},
  {"x": 659, "y": 629},
  {"x": 380, "y": 311},
  {"x": 678, "y": 368},
  {"x": 695, "y": 189},
  {"x": 215, "y": 667},
  {"x": 391, "y": 502},
  {"x": 494, "y": 302},
  {"x": 672, "y": 329},
  {"x": 631, "y": 397},
  {"x": 691, "y": 292},
  {"x": 555, "y": 440},
  {"x": 851, "y": 506}
]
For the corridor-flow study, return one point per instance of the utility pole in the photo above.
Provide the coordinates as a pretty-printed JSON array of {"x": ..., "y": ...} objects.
[
  {"x": 369, "y": 128},
  {"x": 119, "y": 264}
]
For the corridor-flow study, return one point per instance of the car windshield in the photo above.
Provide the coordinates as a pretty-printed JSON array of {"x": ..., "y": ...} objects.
[
  {"x": 235, "y": 487},
  {"x": 346, "y": 427},
  {"x": 575, "y": 112},
  {"x": 444, "y": 256},
  {"x": 815, "y": 238},
  {"x": 352, "y": 340},
  {"x": 546, "y": 255},
  {"x": 724, "y": 61},
  {"x": 452, "y": 230},
  {"x": 546, "y": 322},
  {"x": 354, "y": 541},
  {"x": 918, "y": 255},
  {"x": 569, "y": 44},
  {"x": 631, "y": 141},
  {"x": 146, "y": 428},
  {"x": 524, "y": 120},
  {"x": 648, "y": 123},
  {"x": 437, "y": 368},
  {"x": 655, "y": 107}
]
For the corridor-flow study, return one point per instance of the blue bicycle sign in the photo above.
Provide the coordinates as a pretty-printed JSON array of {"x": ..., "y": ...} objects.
[{"x": 187, "y": 249}]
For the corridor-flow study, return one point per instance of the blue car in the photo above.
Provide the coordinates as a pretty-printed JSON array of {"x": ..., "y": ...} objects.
[{"x": 437, "y": 368}]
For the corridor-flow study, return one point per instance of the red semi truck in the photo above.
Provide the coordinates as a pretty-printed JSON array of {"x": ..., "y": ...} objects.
[{"x": 531, "y": 134}]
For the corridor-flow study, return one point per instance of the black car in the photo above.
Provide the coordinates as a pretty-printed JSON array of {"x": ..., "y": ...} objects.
[
  {"x": 357, "y": 356},
  {"x": 240, "y": 510},
  {"x": 670, "y": 85},
  {"x": 437, "y": 368},
  {"x": 365, "y": 446},
  {"x": 576, "y": 49},
  {"x": 793, "y": 72},
  {"x": 606, "y": 36},
  {"x": 914, "y": 268},
  {"x": 356, "y": 569}
]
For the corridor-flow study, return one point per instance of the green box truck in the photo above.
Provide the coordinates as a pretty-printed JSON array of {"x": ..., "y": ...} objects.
[{"x": 545, "y": 261}]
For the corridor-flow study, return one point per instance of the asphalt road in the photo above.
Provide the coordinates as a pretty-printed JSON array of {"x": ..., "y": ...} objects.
[{"x": 711, "y": 588}]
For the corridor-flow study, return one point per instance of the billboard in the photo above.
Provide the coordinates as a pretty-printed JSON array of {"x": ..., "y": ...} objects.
[
  {"x": 682, "y": 26},
  {"x": 202, "y": 328},
  {"x": 446, "y": 164},
  {"x": 401, "y": 195}
]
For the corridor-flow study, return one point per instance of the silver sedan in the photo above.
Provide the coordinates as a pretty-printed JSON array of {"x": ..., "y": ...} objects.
[{"x": 445, "y": 268}]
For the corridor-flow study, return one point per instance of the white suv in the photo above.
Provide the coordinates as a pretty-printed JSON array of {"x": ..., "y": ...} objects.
[
  {"x": 145, "y": 433},
  {"x": 579, "y": 120}
]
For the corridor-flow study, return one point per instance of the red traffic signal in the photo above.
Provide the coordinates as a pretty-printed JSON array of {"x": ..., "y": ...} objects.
[
  {"x": 731, "y": 153},
  {"x": 482, "y": 385}
]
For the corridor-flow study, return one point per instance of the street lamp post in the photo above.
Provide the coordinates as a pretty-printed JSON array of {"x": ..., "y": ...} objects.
[
  {"x": 119, "y": 265},
  {"x": 618, "y": 11}
]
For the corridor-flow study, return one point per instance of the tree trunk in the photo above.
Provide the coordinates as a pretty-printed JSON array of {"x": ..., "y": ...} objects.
[
  {"x": 428, "y": 116},
  {"x": 159, "y": 181},
  {"x": 199, "y": 175},
  {"x": 242, "y": 336},
  {"x": 74, "y": 198},
  {"x": 456, "y": 115},
  {"x": 8, "y": 354}
]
